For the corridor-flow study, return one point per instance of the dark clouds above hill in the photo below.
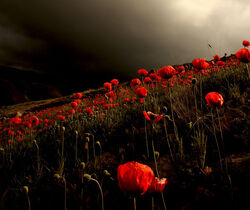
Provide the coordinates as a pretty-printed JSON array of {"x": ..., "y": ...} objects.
[{"x": 117, "y": 37}]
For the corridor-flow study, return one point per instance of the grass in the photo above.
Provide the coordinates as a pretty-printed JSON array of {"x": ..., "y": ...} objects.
[{"x": 183, "y": 141}]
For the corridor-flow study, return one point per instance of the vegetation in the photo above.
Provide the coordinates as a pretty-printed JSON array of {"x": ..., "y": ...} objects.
[{"x": 66, "y": 157}]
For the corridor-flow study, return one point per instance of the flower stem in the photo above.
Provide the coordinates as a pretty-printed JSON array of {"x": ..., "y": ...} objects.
[
  {"x": 216, "y": 140},
  {"x": 100, "y": 188},
  {"x": 134, "y": 203},
  {"x": 166, "y": 131}
]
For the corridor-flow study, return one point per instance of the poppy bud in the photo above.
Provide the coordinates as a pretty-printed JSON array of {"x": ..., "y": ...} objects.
[
  {"x": 87, "y": 176},
  {"x": 82, "y": 165},
  {"x": 98, "y": 143},
  {"x": 157, "y": 154},
  {"x": 26, "y": 189},
  {"x": 63, "y": 128},
  {"x": 87, "y": 139},
  {"x": 57, "y": 176}
]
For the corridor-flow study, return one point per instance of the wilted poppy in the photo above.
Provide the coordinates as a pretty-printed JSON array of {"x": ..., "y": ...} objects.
[
  {"x": 135, "y": 177},
  {"x": 152, "y": 117},
  {"x": 158, "y": 185},
  {"x": 141, "y": 92},
  {"x": 166, "y": 72},
  {"x": 243, "y": 55},
  {"x": 214, "y": 99}
]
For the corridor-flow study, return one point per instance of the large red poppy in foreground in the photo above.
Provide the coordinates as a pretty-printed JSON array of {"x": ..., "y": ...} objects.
[
  {"x": 135, "y": 177},
  {"x": 214, "y": 99}
]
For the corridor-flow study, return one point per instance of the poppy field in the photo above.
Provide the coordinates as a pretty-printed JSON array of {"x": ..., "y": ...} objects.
[{"x": 176, "y": 137}]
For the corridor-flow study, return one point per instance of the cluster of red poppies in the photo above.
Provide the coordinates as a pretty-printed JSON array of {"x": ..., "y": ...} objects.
[{"x": 19, "y": 127}]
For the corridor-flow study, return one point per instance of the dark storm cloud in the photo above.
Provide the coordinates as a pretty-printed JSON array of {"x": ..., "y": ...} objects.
[{"x": 118, "y": 36}]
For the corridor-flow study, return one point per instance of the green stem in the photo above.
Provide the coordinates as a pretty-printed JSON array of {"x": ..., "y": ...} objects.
[
  {"x": 166, "y": 131},
  {"x": 28, "y": 200},
  {"x": 146, "y": 135},
  {"x": 76, "y": 148},
  {"x": 65, "y": 193},
  {"x": 100, "y": 188},
  {"x": 216, "y": 140},
  {"x": 134, "y": 203}
]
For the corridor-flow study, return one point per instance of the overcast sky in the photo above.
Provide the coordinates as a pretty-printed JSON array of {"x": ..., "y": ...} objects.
[{"x": 118, "y": 36}]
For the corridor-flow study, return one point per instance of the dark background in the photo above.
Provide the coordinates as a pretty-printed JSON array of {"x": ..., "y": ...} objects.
[{"x": 53, "y": 48}]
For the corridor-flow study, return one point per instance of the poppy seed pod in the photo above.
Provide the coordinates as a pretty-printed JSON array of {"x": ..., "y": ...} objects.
[{"x": 194, "y": 81}]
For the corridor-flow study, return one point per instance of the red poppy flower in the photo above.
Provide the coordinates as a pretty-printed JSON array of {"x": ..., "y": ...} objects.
[
  {"x": 142, "y": 72},
  {"x": 72, "y": 111},
  {"x": 61, "y": 117},
  {"x": 180, "y": 69},
  {"x": 141, "y": 92},
  {"x": 214, "y": 99},
  {"x": 114, "y": 82},
  {"x": 135, "y": 82},
  {"x": 155, "y": 76},
  {"x": 15, "y": 121},
  {"x": 246, "y": 43},
  {"x": 27, "y": 124},
  {"x": 34, "y": 121},
  {"x": 158, "y": 185},
  {"x": 135, "y": 177},
  {"x": 166, "y": 72},
  {"x": 200, "y": 63},
  {"x": 220, "y": 63},
  {"x": 74, "y": 104},
  {"x": 89, "y": 111},
  {"x": 152, "y": 117},
  {"x": 110, "y": 94},
  {"x": 78, "y": 95},
  {"x": 216, "y": 58},
  {"x": 243, "y": 55},
  {"x": 107, "y": 86},
  {"x": 147, "y": 80}
]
